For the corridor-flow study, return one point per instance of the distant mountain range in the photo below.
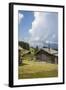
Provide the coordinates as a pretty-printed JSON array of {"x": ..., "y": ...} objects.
[{"x": 49, "y": 45}]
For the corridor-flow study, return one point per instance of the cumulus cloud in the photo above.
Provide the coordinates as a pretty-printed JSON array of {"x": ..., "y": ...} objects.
[
  {"x": 44, "y": 28},
  {"x": 39, "y": 28},
  {"x": 20, "y": 16},
  {"x": 38, "y": 23}
]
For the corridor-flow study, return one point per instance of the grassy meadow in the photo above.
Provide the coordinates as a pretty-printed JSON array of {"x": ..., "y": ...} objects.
[{"x": 35, "y": 69}]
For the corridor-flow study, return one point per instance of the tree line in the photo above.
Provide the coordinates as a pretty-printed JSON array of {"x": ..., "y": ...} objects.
[{"x": 24, "y": 45}]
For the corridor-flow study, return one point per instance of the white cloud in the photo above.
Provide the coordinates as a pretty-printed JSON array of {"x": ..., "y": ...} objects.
[
  {"x": 53, "y": 36},
  {"x": 20, "y": 16},
  {"x": 43, "y": 29},
  {"x": 38, "y": 23},
  {"x": 51, "y": 42},
  {"x": 39, "y": 30}
]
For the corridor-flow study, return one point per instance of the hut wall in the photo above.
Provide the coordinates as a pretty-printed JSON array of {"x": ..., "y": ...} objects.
[
  {"x": 47, "y": 58},
  {"x": 56, "y": 60},
  {"x": 19, "y": 58},
  {"x": 42, "y": 57}
]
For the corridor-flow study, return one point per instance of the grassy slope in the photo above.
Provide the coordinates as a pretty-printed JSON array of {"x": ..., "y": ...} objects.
[{"x": 32, "y": 69}]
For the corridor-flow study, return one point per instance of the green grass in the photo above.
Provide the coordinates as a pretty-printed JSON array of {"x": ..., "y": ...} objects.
[{"x": 33, "y": 69}]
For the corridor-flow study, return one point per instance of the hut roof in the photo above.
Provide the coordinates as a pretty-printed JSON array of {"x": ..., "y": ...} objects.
[
  {"x": 23, "y": 51},
  {"x": 51, "y": 51},
  {"x": 48, "y": 51},
  {"x": 19, "y": 47}
]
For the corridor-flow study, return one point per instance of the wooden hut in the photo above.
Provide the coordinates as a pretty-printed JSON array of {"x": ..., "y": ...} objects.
[
  {"x": 19, "y": 55},
  {"x": 47, "y": 55}
]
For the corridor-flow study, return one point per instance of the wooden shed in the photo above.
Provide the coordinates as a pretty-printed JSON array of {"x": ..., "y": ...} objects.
[
  {"x": 19, "y": 55},
  {"x": 47, "y": 55}
]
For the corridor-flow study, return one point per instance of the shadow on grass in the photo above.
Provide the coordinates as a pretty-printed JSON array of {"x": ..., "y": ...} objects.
[{"x": 23, "y": 64}]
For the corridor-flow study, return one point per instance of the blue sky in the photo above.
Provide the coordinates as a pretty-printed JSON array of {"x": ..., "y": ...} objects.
[
  {"x": 38, "y": 28},
  {"x": 25, "y": 24}
]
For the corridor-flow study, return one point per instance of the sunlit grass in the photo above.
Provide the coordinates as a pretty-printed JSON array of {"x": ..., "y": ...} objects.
[{"x": 33, "y": 69}]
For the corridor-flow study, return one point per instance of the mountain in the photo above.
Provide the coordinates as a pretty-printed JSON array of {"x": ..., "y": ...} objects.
[{"x": 49, "y": 45}]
